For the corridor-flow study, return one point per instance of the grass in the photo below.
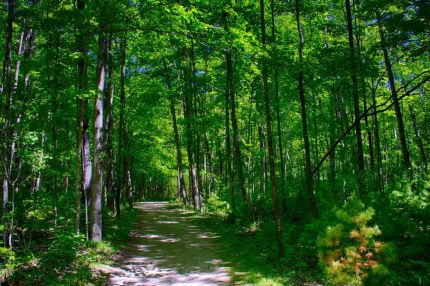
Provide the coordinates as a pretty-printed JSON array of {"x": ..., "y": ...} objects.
[
  {"x": 69, "y": 259},
  {"x": 250, "y": 249},
  {"x": 253, "y": 255}
]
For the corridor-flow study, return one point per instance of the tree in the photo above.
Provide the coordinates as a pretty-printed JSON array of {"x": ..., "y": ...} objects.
[
  {"x": 97, "y": 183},
  {"x": 309, "y": 175},
  {"x": 270, "y": 138},
  {"x": 360, "y": 156},
  {"x": 399, "y": 116},
  {"x": 83, "y": 163}
]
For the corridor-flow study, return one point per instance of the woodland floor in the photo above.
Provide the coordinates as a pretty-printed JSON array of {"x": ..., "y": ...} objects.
[{"x": 169, "y": 247}]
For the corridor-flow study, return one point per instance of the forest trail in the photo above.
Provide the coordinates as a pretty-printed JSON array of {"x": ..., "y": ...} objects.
[{"x": 167, "y": 247}]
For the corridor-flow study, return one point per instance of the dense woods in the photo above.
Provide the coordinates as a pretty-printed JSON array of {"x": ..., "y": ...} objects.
[{"x": 303, "y": 124}]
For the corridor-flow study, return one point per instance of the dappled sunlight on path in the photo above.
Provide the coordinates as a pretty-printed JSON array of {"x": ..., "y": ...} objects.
[{"x": 168, "y": 248}]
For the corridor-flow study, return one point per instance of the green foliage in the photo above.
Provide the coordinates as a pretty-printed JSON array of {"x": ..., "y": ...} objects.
[
  {"x": 405, "y": 223},
  {"x": 7, "y": 260},
  {"x": 68, "y": 259},
  {"x": 62, "y": 251},
  {"x": 54, "y": 265},
  {"x": 349, "y": 249},
  {"x": 177, "y": 49},
  {"x": 217, "y": 207},
  {"x": 254, "y": 257}
]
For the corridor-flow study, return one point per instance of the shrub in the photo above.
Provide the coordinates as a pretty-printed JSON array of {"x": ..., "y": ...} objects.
[
  {"x": 217, "y": 207},
  {"x": 348, "y": 248},
  {"x": 7, "y": 261}
]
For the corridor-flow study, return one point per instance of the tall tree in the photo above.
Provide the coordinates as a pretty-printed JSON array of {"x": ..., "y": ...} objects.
[
  {"x": 182, "y": 192},
  {"x": 7, "y": 86},
  {"x": 309, "y": 175},
  {"x": 353, "y": 61},
  {"x": 237, "y": 157},
  {"x": 188, "y": 110},
  {"x": 108, "y": 124},
  {"x": 97, "y": 183},
  {"x": 121, "y": 186},
  {"x": 83, "y": 164},
  {"x": 394, "y": 95},
  {"x": 277, "y": 106},
  {"x": 418, "y": 135},
  {"x": 270, "y": 136}
]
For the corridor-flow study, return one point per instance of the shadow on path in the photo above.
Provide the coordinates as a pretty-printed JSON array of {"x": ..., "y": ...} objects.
[{"x": 168, "y": 248}]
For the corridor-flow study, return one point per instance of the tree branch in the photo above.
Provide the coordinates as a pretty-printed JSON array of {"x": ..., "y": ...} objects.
[{"x": 366, "y": 113}]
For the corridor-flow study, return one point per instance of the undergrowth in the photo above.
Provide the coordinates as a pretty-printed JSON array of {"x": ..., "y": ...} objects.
[
  {"x": 68, "y": 258},
  {"x": 376, "y": 239}
]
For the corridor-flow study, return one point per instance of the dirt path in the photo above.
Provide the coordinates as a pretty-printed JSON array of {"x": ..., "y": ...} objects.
[{"x": 169, "y": 248}]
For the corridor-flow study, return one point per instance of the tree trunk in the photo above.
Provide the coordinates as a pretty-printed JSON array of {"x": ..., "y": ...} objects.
[
  {"x": 278, "y": 113},
  {"x": 262, "y": 140},
  {"x": 83, "y": 163},
  {"x": 97, "y": 184},
  {"x": 182, "y": 192},
  {"x": 188, "y": 109},
  {"x": 7, "y": 63},
  {"x": 236, "y": 141},
  {"x": 126, "y": 176},
  {"x": 418, "y": 135},
  {"x": 211, "y": 164},
  {"x": 363, "y": 92},
  {"x": 54, "y": 127},
  {"x": 195, "y": 144},
  {"x": 369, "y": 133},
  {"x": 228, "y": 176},
  {"x": 86, "y": 164},
  {"x": 399, "y": 116},
  {"x": 377, "y": 140},
  {"x": 121, "y": 136},
  {"x": 108, "y": 106},
  {"x": 360, "y": 156},
  {"x": 270, "y": 138},
  {"x": 309, "y": 175},
  {"x": 7, "y": 86}
]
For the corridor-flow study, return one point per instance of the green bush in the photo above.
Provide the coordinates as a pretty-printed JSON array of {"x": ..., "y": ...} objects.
[
  {"x": 348, "y": 249},
  {"x": 7, "y": 261},
  {"x": 405, "y": 222},
  {"x": 217, "y": 207}
]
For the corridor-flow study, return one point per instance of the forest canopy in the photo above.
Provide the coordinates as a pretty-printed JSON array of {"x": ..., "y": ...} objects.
[{"x": 306, "y": 122}]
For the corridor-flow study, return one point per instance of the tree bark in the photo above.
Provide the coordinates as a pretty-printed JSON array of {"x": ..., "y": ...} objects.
[
  {"x": 263, "y": 160},
  {"x": 363, "y": 90},
  {"x": 360, "y": 156},
  {"x": 270, "y": 138},
  {"x": 188, "y": 109},
  {"x": 83, "y": 164},
  {"x": 97, "y": 184},
  {"x": 108, "y": 106},
  {"x": 397, "y": 109},
  {"x": 377, "y": 140},
  {"x": 182, "y": 192},
  {"x": 7, "y": 86},
  {"x": 87, "y": 168},
  {"x": 278, "y": 113},
  {"x": 7, "y": 63},
  {"x": 195, "y": 142},
  {"x": 228, "y": 175},
  {"x": 211, "y": 164},
  {"x": 309, "y": 175},
  {"x": 418, "y": 135},
  {"x": 120, "y": 188},
  {"x": 54, "y": 127},
  {"x": 237, "y": 158},
  {"x": 196, "y": 127}
]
